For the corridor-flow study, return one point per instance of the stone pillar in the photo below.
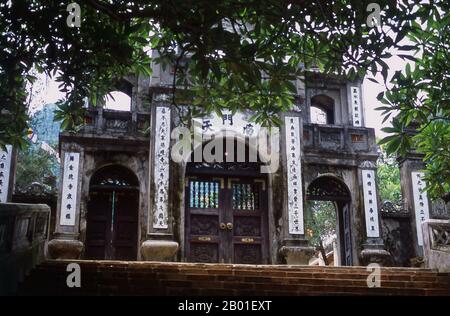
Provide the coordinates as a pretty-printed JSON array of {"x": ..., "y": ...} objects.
[
  {"x": 7, "y": 172},
  {"x": 160, "y": 245},
  {"x": 414, "y": 199},
  {"x": 295, "y": 248},
  {"x": 66, "y": 245},
  {"x": 373, "y": 249}
]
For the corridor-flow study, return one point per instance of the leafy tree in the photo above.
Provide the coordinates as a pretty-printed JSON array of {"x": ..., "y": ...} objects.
[
  {"x": 388, "y": 176},
  {"x": 420, "y": 101},
  {"x": 43, "y": 125},
  {"x": 36, "y": 165},
  {"x": 231, "y": 46},
  {"x": 321, "y": 224}
]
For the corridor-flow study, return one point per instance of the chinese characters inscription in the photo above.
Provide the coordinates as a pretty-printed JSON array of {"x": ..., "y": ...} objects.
[
  {"x": 295, "y": 196},
  {"x": 421, "y": 208},
  {"x": 370, "y": 203},
  {"x": 161, "y": 167},
  {"x": 70, "y": 189}
]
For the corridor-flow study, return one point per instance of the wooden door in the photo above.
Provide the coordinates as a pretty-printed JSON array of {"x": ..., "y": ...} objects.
[
  {"x": 247, "y": 212},
  {"x": 112, "y": 225},
  {"x": 98, "y": 230},
  {"x": 204, "y": 238},
  {"x": 226, "y": 220},
  {"x": 125, "y": 225}
]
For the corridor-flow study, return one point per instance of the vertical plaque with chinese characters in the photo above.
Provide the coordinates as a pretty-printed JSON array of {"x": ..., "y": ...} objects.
[
  {"x": 161, "y": 167},
  {"x": 370, "y": 203},
  {"x": 69, "y": 203},
  {"x": 5, "y": 172},
  {"x": 356, "y": 105},
  {"x": 420, "y": 203},
  {"x": 294, "y": 179}
]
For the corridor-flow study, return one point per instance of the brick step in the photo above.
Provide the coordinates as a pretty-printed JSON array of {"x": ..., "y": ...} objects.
[
  {"x": 149, "y": 278},
  {"x": 425, "y": 276},
  {"x": 347, "y": 280},
  {"x": 346, "y": 286},
  {"x": 190, "y": 288},
  {"x": 120, "y": 289},
  {"x": 113, "y": 277},
  {"x": 243, "y": 269},
  {"x": 210, "y": 266}
]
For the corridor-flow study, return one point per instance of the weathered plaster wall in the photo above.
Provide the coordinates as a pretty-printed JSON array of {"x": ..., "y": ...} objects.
[{"x": 398, "y": 239}]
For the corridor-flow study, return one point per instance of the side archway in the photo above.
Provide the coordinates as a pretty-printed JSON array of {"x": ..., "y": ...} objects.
[
  {"x": 323, "y": 192},
  {"x": 112, "y": 214}
]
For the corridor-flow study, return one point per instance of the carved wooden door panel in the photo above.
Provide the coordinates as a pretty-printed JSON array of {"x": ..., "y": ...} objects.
[
  {"x": 247, "y": 212},
  {"x": 125, "y": 225},
  {"x": 98, "y": 230},
  {"x": 226, "y": 223},
  {"x": 204, "y": 238}
]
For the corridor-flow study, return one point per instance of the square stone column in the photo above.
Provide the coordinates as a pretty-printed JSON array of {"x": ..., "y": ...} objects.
[
  {"x": 295, "y": 248},
  {"x": 160, "y": 245},
  {"x": 415, "y": 200},
  {"x": 66, "y": 245},
  {"x": 373, "y": 249}
]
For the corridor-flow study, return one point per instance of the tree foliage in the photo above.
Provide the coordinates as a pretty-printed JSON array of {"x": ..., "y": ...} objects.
[
  {"x": 420, "y": 100},
  {"x": 321, "y": 224},
  {"x": 36, "y": 165},
  {"x": 232, "y": 45},
  {"x": 388, "y": 178}
]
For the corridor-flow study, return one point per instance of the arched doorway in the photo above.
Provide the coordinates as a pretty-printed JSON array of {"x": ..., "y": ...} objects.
[
  {"x": 323, "y": 193},
  {"x": 112, "y": 215},
  {"x": 226, "y": 205}
]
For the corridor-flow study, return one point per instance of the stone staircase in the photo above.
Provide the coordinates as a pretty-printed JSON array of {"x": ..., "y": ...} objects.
[{"x": 196, "y": 279}]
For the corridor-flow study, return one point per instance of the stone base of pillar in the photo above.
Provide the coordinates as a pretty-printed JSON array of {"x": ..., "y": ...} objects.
[
  {"x": 159, "y": 250},
  {"x": 375, "y": 255},
  {"x": 297, "y": 255},
  {"x": 65, "y": 248}
]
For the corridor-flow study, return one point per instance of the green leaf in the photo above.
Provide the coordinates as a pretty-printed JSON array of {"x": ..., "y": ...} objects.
[
  {"x": 409, "y": 57},
  {"x": 393, "y": 145},
  {"x": 389, "y": 129},
  {"x": 387, "y": 139}
]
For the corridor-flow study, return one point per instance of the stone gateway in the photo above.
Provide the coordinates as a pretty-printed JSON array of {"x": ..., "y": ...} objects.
[{"x": 238, "y": 194}]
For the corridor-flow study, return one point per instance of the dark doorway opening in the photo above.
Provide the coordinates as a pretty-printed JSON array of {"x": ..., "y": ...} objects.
[{"x": 112, "y": 215}]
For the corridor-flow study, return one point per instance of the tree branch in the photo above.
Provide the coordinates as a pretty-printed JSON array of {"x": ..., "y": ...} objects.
[{"x": 105, "y": 9}]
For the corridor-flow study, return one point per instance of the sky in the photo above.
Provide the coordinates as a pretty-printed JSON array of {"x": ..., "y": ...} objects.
[{"x": 371, "y": 90}]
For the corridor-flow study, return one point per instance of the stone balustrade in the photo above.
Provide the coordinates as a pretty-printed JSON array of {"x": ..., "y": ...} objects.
[
  {"x": 436, "y": 244},
  {"x": 338, "y": 138},
  {"x": 23, "y": 235},
  {"x": 116, "y": 122}
]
